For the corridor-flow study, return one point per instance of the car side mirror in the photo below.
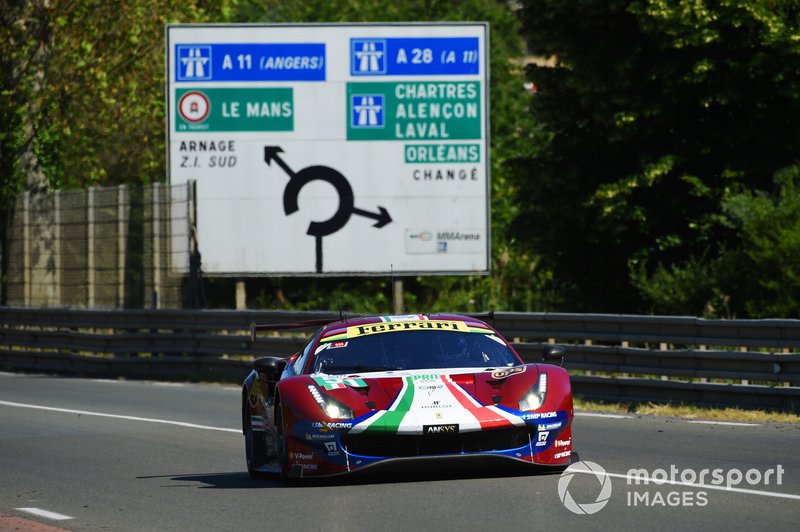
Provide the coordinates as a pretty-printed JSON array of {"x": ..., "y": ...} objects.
[
  {"x": 553, "y": 353},
  {"x": 270, "y": 367}
]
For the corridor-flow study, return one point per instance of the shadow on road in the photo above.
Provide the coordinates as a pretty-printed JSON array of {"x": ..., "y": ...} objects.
[
  {"x": 233, "y": 480},
  {"x": 410, "y": 473}
]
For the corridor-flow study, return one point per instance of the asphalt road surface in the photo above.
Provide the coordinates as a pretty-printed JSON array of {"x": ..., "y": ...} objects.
[{"x": 80, "y": 454}]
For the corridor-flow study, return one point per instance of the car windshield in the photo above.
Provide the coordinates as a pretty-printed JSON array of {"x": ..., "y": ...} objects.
[{"x": 419, "y": 349}]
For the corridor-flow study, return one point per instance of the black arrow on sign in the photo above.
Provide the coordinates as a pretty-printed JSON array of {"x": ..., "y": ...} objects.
[
  {"x": 382, "y": 216},
  {"x": 271, "y": 153},
  {"x": 346, "y": 200}
]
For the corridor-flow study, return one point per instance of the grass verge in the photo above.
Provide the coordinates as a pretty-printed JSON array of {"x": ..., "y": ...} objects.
[{"x": 688, "y": 411}]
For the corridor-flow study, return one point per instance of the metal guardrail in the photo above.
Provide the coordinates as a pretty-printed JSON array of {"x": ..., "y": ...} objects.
[{"x": 740, "y": 363}]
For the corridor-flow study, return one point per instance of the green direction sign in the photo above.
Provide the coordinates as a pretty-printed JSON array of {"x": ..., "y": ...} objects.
[
  {"x": 442, "y": 153},
  {"x": 414, "y": 111},
  {"x": 234, "y": 109}
]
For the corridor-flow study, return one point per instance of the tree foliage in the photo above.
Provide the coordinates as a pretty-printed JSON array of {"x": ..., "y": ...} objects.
[
  {"x": 654, "y": 111},
  {"x": 90, "y": 74},
  {"x": 770, "y": 245}
]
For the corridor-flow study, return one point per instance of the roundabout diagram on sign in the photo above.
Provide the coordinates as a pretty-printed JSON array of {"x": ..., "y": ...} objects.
[{"x": 346, "y": 209}]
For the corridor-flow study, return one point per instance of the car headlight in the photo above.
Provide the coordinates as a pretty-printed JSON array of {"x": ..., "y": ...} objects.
[
  {"x": 534, "y": 399},
  {"x": 332, "y": 408}
]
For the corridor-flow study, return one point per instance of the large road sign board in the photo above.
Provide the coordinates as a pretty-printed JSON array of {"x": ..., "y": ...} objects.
[{"x": 333, "y": 149}]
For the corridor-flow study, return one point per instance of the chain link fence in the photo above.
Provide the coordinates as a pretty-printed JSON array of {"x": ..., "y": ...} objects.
[{"x": 116, "y": 247}]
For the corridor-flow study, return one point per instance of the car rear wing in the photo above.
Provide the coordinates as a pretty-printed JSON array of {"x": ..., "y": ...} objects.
[
  {"x": 488, "y": 317},
  {"x": 307, "y": 324}
]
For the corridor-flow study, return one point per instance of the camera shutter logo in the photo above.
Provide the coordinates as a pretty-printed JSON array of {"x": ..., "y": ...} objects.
[{"x": 602, "y": 497}]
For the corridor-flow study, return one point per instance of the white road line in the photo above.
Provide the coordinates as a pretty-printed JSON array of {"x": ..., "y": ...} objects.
[
  {"x": 649, "y": 481},
  {"x": 44, "y": 513},
  {"x": 728, "y": 423},
  {"x": 695, "y": 421},
  {"x": 598, "y": 414},
  {"x": 115, "y": 416}
]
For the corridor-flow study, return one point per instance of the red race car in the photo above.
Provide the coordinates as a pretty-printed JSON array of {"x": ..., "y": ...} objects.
[{"x": 377, "y": 390}]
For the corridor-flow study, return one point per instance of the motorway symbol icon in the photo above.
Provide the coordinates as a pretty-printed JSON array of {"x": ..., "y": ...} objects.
[
  {"x": 367, "y": 56},
  {"x": 367, "y": 110},
  {"x": 194, "y": 63}
]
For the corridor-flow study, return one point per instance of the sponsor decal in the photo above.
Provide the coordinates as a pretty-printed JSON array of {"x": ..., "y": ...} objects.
[
  {"x": 436, "y": 404},
  {"x": 451, "y": 428},
  {"x": 562, "y": 455},
  {"x": 254, "y": 397},
  {"x": 309, "y": 467},
  {"x": 332, "y": 336},
  {"x": 541, "y": 439},
  {"x": 549, "y": 426},
  {"x": 301, "y": 456},
  {"x": 427, "y": 377},
  {"x": 505, "y": 373},
  {"x": 563, "y": 443},
  {"x": 430, "y": 387},
  {"x": 404, "y": 317},
  {"x": 330, "y": 446},
  {"x": 335, "y": 383},
  {"x": 338, "y": 344},
  {"x": 319, "y": 436},
  {"x": 377, "y": 328},
  {"x": 325, "y": 426},
  {"x": 257, "y": 423},
  {"x": 321, "y": 347},
  {"x": 538, "y": 415}
]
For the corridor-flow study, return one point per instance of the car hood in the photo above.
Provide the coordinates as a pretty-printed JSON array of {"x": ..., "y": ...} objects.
[{"x": 432, "y": 401}]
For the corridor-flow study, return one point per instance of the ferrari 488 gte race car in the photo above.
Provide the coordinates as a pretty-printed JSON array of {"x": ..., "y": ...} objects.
[{"x": 384, "y": 390}]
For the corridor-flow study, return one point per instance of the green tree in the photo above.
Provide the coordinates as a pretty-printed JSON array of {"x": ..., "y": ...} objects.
[
  {"x": 770, "y": 227},
  {"x": 653, "y": 112},
  {"x": 81, "y": 102},
  {"x": 82, "y": 90}
]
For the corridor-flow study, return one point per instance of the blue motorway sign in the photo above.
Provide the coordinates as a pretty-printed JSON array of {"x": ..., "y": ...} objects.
[
  {"x": 433, "y": 56},
  {"x": 250, "y": 62}
]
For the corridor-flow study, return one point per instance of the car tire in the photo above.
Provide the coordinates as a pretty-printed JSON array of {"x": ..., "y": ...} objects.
[
  {"x": 282, "y": 447},
  {"x": 255, "y": 445}
]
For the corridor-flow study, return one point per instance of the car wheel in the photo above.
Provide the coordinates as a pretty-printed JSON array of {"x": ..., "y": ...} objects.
[
  {"x": 255, "y": 446},
  {"x": 282, "y": 446}
]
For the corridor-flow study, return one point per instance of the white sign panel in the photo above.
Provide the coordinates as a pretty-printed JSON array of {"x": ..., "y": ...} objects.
[{"x": 333, "y": 149}]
